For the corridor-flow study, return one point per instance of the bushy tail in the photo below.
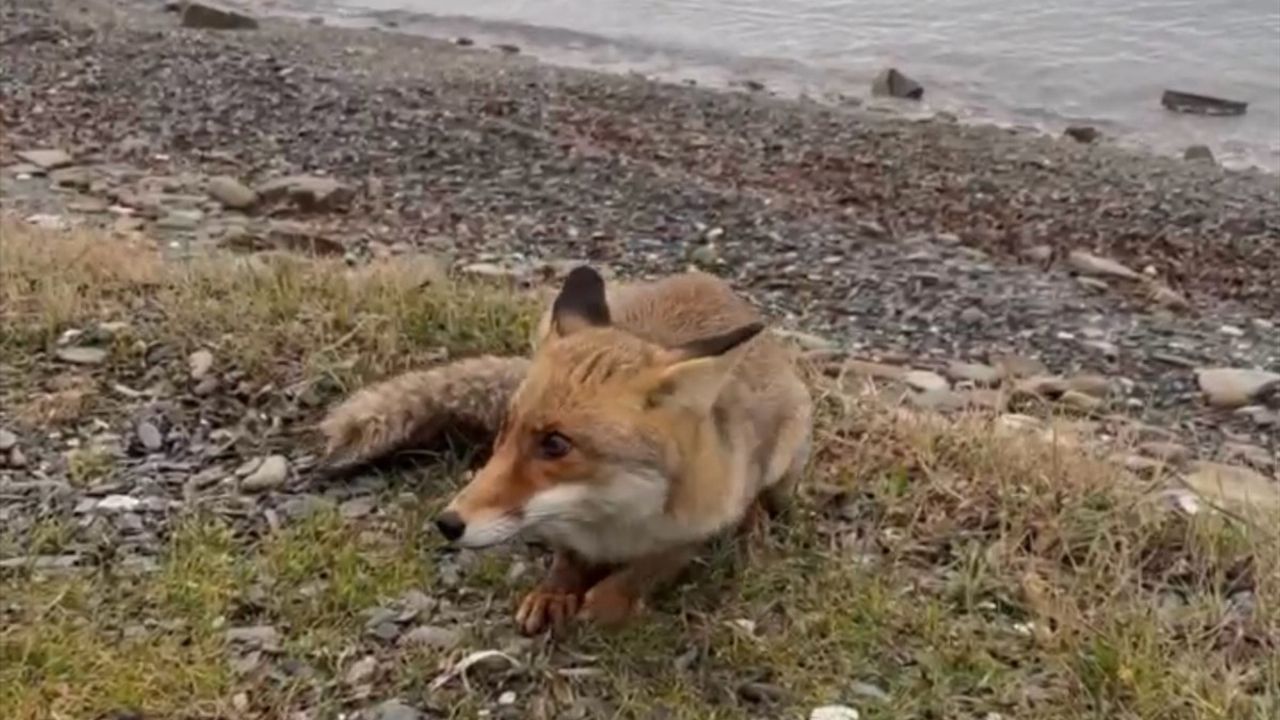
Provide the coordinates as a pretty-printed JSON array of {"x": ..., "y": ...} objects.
[{"x": 413, "y": 409}]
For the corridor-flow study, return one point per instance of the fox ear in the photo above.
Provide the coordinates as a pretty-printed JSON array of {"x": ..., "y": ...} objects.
[
  {"x": 697, "y": 371},
  {"x": 580, "y": 304}
]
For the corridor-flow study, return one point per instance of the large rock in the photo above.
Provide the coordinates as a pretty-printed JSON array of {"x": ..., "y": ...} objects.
[
  {"x": 309, "y": 192},
  {"x": 1235, "y": 387},
  {"x": 1090, "y": 264},
  {"x": 891, "y": 83},
  {"x": 212, "y": 17},
  {"x": 231, "y": 193}
]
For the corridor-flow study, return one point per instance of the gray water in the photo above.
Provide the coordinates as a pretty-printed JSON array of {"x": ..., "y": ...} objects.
[{"x": 1045, "y": 63}]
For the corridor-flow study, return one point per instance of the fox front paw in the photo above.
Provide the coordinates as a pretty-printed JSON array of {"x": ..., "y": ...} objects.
[
  {"x": 609, "y": 605},
  {"x": 546, "y": 609}
]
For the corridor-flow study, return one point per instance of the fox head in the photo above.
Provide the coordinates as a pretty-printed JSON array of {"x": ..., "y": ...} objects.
[{"x": 602, "y": 424}]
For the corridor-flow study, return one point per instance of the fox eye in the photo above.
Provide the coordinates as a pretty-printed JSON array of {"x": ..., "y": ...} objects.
[{"x": 553, "y": 446}]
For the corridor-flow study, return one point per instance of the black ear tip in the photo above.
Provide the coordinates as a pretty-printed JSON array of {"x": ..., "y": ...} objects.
[{"x": 584, "y": 276}]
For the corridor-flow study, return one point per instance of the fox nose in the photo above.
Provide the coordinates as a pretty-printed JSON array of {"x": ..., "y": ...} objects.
[{"x": 451, "y": 525}]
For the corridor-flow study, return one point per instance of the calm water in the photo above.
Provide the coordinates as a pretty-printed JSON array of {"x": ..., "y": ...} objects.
[{"x": 1042, "y": 62}]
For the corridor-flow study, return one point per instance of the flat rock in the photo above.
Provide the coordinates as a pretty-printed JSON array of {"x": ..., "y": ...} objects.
[
  {"x": 257, "y": 636},
  {"x": 431, "y": 636},
  {"x": 205, "y": 16},
  {"x": 395, "y": 710},
  {"x": 231, "y": 193},
  {"x": 834, "y": 712},
  {"x": 976, "y": 373},
  {"x": 1098, "y": 386},
  {"x": 309, "y": 192},
  {"x": 46, "y": 159},
  {"x": 1235, "y": 387},
  {"x": 119, "y": 503},
  {"x": 82, "y": 355},
  {"x": 892, "y": 83},
  {"x": 880, "y": 371},
  {"x": 302, "y": 238},
  {"x": 270, "y": 475},
  {"x": 1234, "y": 485},
  {"x": 8, "y": 440},
  {"x": 1082, "y": 402},
  {"x": 1090, "y": 264},
  {"x": 925, "y": 381},
  {"x": 1166, "y": 451}
]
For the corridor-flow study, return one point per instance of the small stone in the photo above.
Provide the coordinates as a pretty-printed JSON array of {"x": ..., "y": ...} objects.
[
  {"x": 361, "y": 671},
  {"x": 231, "y": 193},
  {"x": 1089, "y": 264},
  {"x": 270, "y": 475},
  {"x": 1017, "y": 366},
  {"x": 892, "y": 83},
  {"x": 1170, "y": 452},
  {"x": 925, "y": 381},
  {"x": 760, "y": 693},
  {"x": 8, "y": 440},
  {"x": 210, "y": 17},
  {"x": 1038, "y": 253},
  {"x": 78, "y": 178},
  {"x": 869, "y": 691},
  {"x": 705, "y": 256},
  {"x": 834, "y": 712},
  {"x": 1082, "y": 402},
  {"x": 356, "y": 508},
  {"x": 119, "y": 503},
  {"x": 1047, "y": 386},
  {"x": 490, "y": 271},
  {"x": 976, "y": 373},
  {"x": 1082, "y": 133},
  {"x": 199, "y": 364},
  {"x": 46, "y": 159},
  {"x": 150, "y": 437},
  {"x": 1096, "y": 385},
  {"x": 508, "y": 48},
  {"x": 1261, "y": 416},
  {"x": 972, "y": 316},
  {"x": 255, "y": 636},
  {"x": 805, "y": 341},
  {"x": 82, "y": 355},
  {"x": 431, "y": 636},
  {"x": 1198, "y": 153},
  {"x": 507, "y": 698},
  {"x": 1167, "y": 297},
  {"x": 1235, "y": 387},
  {"x": 17, "y": 459},
  {"x": 395, "y": 710}
]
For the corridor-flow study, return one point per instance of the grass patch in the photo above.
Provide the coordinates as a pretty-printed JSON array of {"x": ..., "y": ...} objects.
[{"x": 932, "y": 569}]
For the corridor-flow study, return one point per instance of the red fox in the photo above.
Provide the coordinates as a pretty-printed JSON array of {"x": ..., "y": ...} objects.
[{"x": 650, "y": 418}]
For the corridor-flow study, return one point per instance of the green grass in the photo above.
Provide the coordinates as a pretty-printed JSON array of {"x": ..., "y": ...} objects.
[{"x": 960, "y": 570}]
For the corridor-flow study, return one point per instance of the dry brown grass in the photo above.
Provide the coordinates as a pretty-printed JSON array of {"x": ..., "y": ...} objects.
[{"x": 960, "y": 569}]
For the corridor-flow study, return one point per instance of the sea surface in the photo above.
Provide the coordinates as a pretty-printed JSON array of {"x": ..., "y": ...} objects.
[{"x": 1041, "y": 63}]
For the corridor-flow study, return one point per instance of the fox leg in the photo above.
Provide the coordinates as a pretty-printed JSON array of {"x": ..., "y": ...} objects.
[
  {"x": 620, "y": 595},
  {"x": 558, "y": 596}
]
